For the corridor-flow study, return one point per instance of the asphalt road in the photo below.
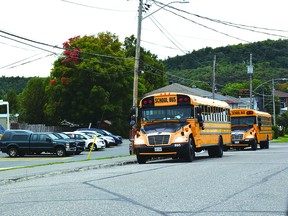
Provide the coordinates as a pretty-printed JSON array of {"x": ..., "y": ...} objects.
[{"x": 241, "y": 183}]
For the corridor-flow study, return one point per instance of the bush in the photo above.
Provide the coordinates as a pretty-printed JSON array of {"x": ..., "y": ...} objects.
[{"x": 275, "y": 132}]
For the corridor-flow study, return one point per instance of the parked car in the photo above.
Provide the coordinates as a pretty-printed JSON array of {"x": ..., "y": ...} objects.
[
  {"x": 89, "y": 140},
  {"x": 109, "y": 141},
  {"x": 25, "y": 142},
  {"x": 118, "y": 139},
  {"x": 80, "y": 144}
]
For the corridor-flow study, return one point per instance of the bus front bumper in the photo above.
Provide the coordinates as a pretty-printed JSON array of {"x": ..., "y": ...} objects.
[{"x": 161, "y": 150}]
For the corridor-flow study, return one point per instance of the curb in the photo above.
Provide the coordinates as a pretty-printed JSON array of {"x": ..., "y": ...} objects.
[{"x": 39, "y": 172}]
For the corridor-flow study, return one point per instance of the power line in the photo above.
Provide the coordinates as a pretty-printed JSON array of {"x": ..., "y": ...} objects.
[{"x": 100, "y": 8}]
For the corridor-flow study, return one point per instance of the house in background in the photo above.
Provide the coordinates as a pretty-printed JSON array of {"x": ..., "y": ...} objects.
[{"x": 283, "y": 97}]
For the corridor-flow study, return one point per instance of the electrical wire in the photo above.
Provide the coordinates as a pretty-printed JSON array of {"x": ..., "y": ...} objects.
[
  {"x": 157, "y": 25},
  {"x": 89, "y": 6}
]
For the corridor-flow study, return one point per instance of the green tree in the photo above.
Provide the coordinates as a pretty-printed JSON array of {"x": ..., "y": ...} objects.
[
  {"x": 32, "y": 101},
  {"x": 282, "y": 120},
  {"x": 93, "y": 81},
  {"x": 11, "y": 97}
]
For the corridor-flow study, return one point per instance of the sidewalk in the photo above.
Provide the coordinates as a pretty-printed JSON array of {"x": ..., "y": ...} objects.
[{"x": 22, "y": 174}]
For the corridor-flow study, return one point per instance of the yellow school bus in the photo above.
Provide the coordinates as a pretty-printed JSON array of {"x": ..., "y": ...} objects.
[
  {"x": 250, "y": 128},
  {"x": 177, "y": 125}
]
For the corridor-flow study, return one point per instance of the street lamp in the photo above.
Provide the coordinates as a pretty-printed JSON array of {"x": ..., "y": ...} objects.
[
  {"x": 273, "y": 95},
  {"x": 137, "y": 52},
  {"x": 7, "y": 114}
]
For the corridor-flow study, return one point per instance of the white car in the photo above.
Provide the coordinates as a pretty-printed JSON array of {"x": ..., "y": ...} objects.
[
  {"x": 109, "y": 141},
  {"x": 89, "y": 140}
]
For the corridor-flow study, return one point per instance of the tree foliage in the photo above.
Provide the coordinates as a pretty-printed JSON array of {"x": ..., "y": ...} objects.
[
  {"x": 269, "y": 61},
  {"x": 93, "y": 81},
  {"x": 32, "y": 101}
]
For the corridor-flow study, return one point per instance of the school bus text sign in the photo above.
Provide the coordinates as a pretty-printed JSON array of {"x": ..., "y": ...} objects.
[
  {"x": 238, "y": 112},
  {"x": 165, "y": 101}
]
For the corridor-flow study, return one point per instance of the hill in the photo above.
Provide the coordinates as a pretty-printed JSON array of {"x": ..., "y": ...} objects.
[
  {"x": 15, "y": 84},
  {"x": 269, "y": 60}
]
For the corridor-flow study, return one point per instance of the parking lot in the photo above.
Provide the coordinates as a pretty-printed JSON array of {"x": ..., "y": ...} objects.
[{"x": 32, "y": 160}]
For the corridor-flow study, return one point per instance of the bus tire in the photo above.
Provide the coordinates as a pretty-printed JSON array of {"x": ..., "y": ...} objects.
[
  {"x": 216, "y": 151},
  {"x": 267, "y": 143},
  {"x": 219, "y": 148},
  {"x": 141, "y": 159},
  {"x": 225, "y": 148},
  {"x": 254, "y": 144},
  {"x": 190, "y": 154}
]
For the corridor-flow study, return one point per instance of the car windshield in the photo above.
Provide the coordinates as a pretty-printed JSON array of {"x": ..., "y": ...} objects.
[
  {"x": 62, "y": 136},
  {"x": 107, "y": 132},
  {"x": 52, "y": 136},
  {"x": 89, "y": 136}
]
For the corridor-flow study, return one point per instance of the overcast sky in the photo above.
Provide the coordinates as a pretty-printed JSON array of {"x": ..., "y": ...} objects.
[{"x": 167, "y": 32}]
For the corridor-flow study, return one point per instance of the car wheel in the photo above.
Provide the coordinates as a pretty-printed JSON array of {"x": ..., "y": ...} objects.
[
  {"x": 60, "y": 152},
  {"x": 106, "y": 144},
  {"x": 13, "y": 152},
  {"x": 94, "y": 147}
]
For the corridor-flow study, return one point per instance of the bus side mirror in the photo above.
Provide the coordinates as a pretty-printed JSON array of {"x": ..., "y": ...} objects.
[
  {"x": 259, "y": 122},
  {"x": 132, "y": 122},
  {"x": 259, "y": 125},
  {"x": 200, "y": 121}
]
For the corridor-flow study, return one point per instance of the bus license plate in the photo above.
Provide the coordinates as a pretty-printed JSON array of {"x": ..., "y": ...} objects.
[
  {"x": 236, "y": 142},
  {"x": 158, "y": 149}
]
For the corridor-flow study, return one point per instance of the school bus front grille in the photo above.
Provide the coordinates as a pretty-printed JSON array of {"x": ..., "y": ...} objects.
[
  {"x": 158, "y": 139},
  {"x": 237, "y": 136}
]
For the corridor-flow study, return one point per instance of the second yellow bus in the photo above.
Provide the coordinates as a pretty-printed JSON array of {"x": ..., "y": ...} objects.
[{"x": 250, "y": 128}]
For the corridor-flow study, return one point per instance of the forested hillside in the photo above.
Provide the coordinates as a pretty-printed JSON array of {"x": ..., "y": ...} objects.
[
  {"x": 14, "y": 84},
  {"x": 269, "y": 59}
]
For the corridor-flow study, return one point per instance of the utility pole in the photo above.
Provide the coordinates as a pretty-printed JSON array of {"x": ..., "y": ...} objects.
[
  {"x": 273, "y": 100},
  {"x": 250, "y": 72},
  {"x": 213, "y": 81},
  {"x": 137, "y": 57}
]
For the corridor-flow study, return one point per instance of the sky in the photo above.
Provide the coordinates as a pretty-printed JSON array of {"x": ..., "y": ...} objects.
[{"x": 169, "y": 28}]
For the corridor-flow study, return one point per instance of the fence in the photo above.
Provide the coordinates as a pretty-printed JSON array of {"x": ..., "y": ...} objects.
[{"x": 40, "y": 127}]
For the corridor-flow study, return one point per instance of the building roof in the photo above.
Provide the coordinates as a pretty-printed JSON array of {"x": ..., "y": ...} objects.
[{"x": 281, "y": 94}]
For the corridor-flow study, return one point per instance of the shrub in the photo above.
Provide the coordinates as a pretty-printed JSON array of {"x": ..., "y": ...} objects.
[{"x": 275, "y": 132}]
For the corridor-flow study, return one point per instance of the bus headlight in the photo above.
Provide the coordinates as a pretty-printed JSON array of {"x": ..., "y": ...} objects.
[
  {"x": 180, "y": 139},
  {"x": 139, "y": 141}
]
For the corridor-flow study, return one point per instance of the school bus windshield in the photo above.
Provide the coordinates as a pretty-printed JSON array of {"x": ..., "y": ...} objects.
[
  {"x": 242, "y": 122},
  {"x": 167, "y": 113}
]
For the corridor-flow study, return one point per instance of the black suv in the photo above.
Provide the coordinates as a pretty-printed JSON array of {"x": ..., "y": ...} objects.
[{"x": 21, "y": 142}]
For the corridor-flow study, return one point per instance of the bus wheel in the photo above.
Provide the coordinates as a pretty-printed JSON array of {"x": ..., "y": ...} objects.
[
  {"x": 216, "y": 151},
  {"x": 225, "y": 148},
  {"x": 267, "y": 143},
  {"x": 219, "y": 148},
  {"x": 254, "y": 145},
  {"x": 141, "y": 159},
  {"x": 190, "y": 154}
]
